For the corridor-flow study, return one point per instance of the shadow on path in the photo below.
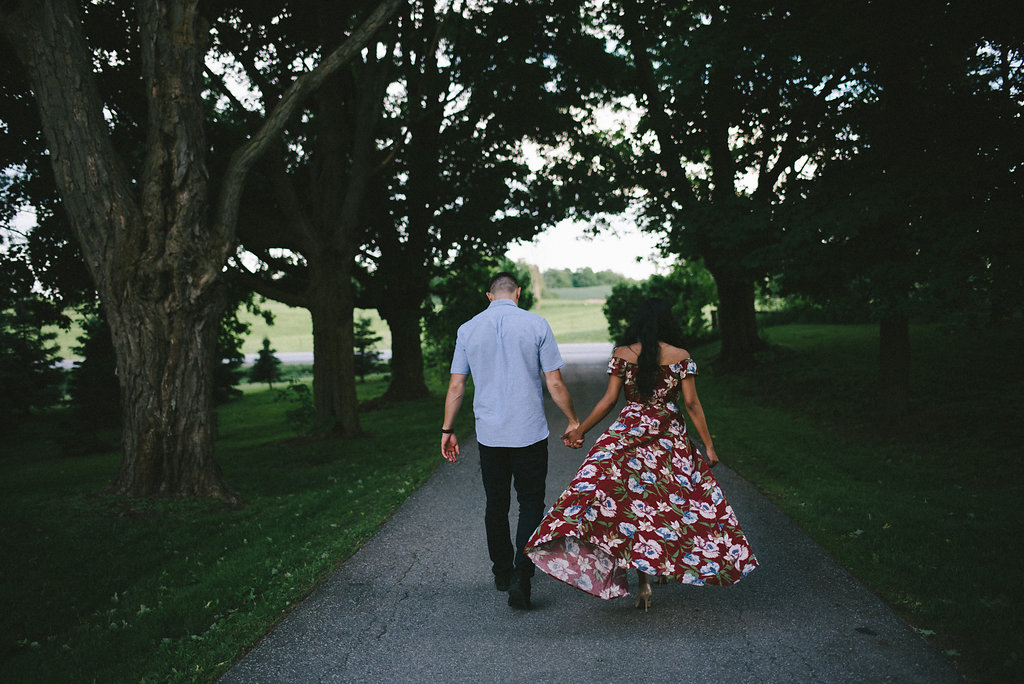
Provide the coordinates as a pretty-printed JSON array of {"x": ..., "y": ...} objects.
[{"x": 417, "y": 602}]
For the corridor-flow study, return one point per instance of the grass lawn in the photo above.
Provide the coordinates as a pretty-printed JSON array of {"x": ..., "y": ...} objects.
[
  {"x": 95, "y": 588},
  {"x": 924, "y": 510},
  {"x": 292, "y": 330},
  {"x": 574, "y": 321},
  {"x": 581, "y": 293}
]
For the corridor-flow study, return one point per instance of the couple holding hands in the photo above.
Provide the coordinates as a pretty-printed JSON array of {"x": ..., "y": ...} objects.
[{"x": 643, "y": 499}]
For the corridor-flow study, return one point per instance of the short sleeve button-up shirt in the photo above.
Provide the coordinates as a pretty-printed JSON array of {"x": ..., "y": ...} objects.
[{"x": 507, "y": 349}]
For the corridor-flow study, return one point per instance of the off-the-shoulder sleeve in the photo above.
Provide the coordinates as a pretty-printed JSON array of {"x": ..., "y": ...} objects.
[
  {"x": 687, "y": 367},
  {"x": 617, "y": 367}
]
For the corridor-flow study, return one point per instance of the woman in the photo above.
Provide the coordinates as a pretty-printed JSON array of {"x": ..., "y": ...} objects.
[{"x": 644, "y": 498}]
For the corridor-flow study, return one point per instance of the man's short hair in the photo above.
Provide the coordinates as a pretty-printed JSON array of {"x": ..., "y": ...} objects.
[{"x": 503, "y": 283}]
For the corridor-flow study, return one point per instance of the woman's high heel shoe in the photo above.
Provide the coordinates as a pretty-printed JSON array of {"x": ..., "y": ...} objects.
[{"x": 644, "y": 593}]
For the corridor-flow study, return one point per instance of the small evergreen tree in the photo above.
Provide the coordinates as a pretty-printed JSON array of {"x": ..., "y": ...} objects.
[
  {"x": 267, "y": 367},
  {"x": 228, "y": 373},
  {"x": 93, "y": 391},
  {"x": 29, "y": 377},
  {"x": 367, "y": 359},
  {"x": 28, "y": 373}
]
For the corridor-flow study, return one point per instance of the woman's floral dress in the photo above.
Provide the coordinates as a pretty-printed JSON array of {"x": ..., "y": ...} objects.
[{"x": 643, "y": 498}]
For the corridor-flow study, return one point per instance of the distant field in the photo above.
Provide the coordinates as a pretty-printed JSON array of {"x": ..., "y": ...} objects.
[
  {"x": 292, "y": 330},
  {"x": 579, "y": 293},
  {"x": 572, "y": 320}
]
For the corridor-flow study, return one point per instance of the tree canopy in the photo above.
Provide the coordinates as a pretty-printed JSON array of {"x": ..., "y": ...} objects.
[{"x": 332, "y": 153}]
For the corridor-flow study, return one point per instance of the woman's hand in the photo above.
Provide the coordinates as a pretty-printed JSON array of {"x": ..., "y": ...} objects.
[
  {"x": 573, "y": 437},
  {"x": 712, "y": 456}
]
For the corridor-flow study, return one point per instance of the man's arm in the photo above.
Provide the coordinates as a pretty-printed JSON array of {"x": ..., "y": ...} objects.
[
  {"x": 452, "y": 404},
  {"x": 560, "y": 394}
]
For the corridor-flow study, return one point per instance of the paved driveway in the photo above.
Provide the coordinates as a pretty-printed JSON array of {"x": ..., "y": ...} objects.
[{"x": 417, "y": 604}]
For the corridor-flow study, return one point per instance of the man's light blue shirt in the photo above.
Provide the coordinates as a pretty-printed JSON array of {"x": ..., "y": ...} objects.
[{"x": 507, "y": 350}]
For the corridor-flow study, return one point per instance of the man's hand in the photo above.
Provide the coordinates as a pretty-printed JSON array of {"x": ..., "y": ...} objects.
[
  {"x": 450, "y": 447},
  {"x": 573, "y": 436}
]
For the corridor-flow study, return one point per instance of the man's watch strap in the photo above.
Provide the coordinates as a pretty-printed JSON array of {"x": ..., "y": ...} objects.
[{"x": 447, "y": 431}]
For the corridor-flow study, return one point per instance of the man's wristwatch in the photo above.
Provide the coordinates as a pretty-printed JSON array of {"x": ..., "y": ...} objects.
[{"x": 446, "y": 431}]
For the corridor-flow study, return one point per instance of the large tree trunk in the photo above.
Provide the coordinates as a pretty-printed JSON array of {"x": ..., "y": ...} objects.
[
  {"x": 736, "y": 319},
  {"x": 153, "y": 246},
  {"x": 894, "y": 364},
  {"x": 407, "y": 381},
  {"x": 334, "y": 389},
  {"x": 165, "y": 362},
  {"x": 148, "y": 245}
]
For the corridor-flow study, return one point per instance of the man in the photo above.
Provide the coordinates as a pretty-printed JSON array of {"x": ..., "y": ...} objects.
[{"x": 507, "y": 350}]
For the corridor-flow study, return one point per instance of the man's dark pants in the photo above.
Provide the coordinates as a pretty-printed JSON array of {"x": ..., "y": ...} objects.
[{"x": 526, "y": 468}]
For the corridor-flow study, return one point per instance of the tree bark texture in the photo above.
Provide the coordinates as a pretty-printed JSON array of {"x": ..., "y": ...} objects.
[
  {"x": 404, "y": 264},
  {"x": 407, "y": 380},
  {"x": 736, "y": 319},
  {"x": 154, "y": 248},
  {"x": 331, "y": 308},
  {"x": 155, "y": 262}
]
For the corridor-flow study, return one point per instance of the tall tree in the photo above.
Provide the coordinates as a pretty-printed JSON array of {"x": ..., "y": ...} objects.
[
  {"x": 154, "y": 235},
  {"x": 733, "y": 114},
  {"x": 435, "y": 114},
  {"x": 481, "y": 84},
  {"x": 304, "y": 217},
  {"x": 924, "y": 202}
]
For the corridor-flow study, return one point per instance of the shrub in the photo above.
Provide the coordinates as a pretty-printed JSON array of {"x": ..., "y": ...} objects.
[{"x": 689, "y": 288}]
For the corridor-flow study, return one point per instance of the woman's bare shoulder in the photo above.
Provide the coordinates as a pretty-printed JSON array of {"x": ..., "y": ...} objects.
[
  {"x": 670, "y": 354},
  {"x": 626, "y": 352}
]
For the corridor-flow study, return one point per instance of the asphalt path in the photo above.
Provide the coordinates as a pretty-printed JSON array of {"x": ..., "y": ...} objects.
[{"x": 417, "y": 603}]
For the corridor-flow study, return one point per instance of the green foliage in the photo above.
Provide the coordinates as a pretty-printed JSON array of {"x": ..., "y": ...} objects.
[
  {"x": 894, "y": 501},
  {"x": 557, "y": 277},
  {"x": 228, "y": 372},
  {"x": 93, "y": 390},
  {"x": 367, "y": 359},
  {"x": 461, "y": 294},
  {"x": 97, "y": 588},
  {"x": 581, "y": 278},
  {"x": 301, "y": 416},
  {"x": 267, "y": 367},
  {"x": 915, "y": 212},
  {"x": 689, "y": 288},
  {"x": 27, "y": 354}
]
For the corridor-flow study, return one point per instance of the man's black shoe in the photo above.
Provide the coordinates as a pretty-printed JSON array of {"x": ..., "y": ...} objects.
[
  {"x": 519, "y": 594},
  {"x": 503, "y": 580}
]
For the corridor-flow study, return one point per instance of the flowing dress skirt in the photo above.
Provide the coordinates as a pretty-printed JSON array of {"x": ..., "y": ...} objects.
[{"x": 644, "y": 498}]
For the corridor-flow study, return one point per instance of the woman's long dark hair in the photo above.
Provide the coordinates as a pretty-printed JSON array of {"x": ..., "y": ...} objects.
[{"x": 652, "y": 323}]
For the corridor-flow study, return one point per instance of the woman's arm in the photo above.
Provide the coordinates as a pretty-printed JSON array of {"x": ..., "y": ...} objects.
[
  {"x": 696, "y": 413},
  {"x": 601, "y": 409}
]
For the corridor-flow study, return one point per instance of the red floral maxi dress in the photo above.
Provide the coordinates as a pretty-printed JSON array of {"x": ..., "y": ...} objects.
[{"x": 644, "y": 498}]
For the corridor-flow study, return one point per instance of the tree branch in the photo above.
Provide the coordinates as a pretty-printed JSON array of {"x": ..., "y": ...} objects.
[
  {"x": 669, "y": 155},
  {"x": 243, "y": 159},
  {"x": 223, "y": 88},
  {"x": 268, "y": 289}
]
